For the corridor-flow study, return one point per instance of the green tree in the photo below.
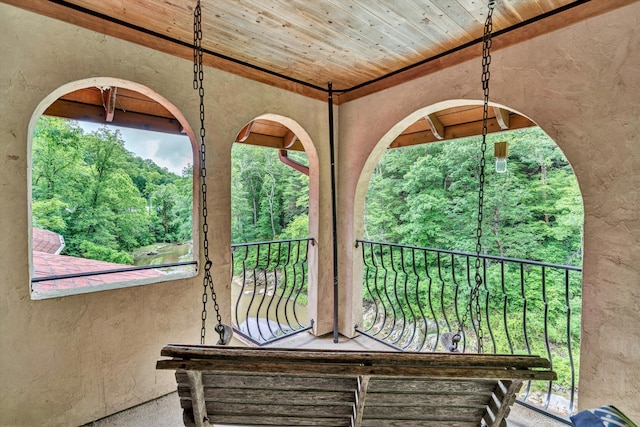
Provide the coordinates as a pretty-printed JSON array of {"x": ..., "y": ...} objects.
[
  {"x": 55, "y": 151},
  {"x": 100, "y": 196},
  {"x": 266, "y": 195},
  {"x": 428, "y": 196}
]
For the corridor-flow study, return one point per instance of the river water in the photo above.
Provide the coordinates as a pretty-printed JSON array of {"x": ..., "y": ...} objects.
[{"x": 163, "y": 253}]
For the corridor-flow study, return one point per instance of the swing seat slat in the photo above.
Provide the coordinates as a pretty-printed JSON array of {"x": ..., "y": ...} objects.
[{"x": 275, "y": 387}]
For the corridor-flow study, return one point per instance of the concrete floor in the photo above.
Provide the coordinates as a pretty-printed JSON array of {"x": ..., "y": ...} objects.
[{"x": 166, "y": 411}]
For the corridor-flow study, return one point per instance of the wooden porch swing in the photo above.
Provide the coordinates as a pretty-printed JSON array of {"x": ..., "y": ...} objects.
[
  {"x": 239, "y": 386},
  {"x": 276, "y": 387}
]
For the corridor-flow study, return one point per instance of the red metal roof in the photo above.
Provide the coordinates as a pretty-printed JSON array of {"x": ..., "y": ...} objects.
[
  {"x": 47, "y": 262},
  {"x": 45, "y": 265},
  {"x": 47, "y": 241}
]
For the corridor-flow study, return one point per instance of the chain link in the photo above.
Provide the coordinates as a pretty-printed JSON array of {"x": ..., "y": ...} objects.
[
  {"x": 198, "y": 77},
  {"x": 474, "y": 296}
]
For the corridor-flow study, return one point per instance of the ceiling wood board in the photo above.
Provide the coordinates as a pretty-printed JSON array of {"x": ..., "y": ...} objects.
[
  {"x": 298, "y": 45},
  {"x": 353, "y": 41}
]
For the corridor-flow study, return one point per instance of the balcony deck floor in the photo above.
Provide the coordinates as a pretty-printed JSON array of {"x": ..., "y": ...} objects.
[{"x": 166, "y": 412}]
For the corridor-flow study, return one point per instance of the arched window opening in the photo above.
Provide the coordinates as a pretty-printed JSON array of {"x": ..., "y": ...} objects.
[
  {"x": 419, "y": 242},
  {"x": 270, "y": 232},
  {"x": 111, "y": 193}
]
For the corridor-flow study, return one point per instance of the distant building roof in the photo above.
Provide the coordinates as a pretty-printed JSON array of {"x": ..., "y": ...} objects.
[
  {"x": 47, "y": 241},
  {"x": 48, "y": 263}
]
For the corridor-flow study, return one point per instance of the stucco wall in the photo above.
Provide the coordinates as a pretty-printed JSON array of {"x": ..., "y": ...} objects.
[
  {"x": 581, "y": 84},
  {"x": 71, "y": 360}
]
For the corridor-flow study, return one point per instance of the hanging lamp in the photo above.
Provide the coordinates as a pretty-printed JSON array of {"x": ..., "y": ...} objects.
[{"x": 501, "y": 152}]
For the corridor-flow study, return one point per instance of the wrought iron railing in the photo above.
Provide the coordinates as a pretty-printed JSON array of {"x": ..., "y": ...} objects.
[
  {"x": 412, "y": 295},
  {"x": 270, "y": 289}
]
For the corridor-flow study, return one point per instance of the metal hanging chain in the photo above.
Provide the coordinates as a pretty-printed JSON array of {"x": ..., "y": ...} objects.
[
  {"x": 207, "y": 285},
  {"x": 474, "y": 297}
]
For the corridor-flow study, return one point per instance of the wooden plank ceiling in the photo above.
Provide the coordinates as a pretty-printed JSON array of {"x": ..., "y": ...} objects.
[
  {"x": 361, "y": 46},
  {"x": 301, "y": 45}
]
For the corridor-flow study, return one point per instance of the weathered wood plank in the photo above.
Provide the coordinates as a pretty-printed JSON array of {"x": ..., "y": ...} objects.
[
  {"x": 198, "y": 405},
  {"x": 351, "y": 357},
  {"x": 273, "y": 382},
  {"x": 433, "y": 413},
  {"x": 422, "y": 399},
  {"x": 357, "y": 370},
  {"x": 278, "y": 409},
  {"x": 361, "y": 401},
  {"x": 248, "y": 420},
  {"x": 431, "y": 386},
  {"x": 265, "y": 396},
  {"x": 422, "y": 423}
]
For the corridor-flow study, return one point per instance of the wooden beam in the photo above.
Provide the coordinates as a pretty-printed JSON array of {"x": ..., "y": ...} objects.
[
  {"x": 95, "y": 114},
  {"x": 437, "y": 128},
  {"x": 245, "y": 132},
  {"x": 110, "y": 103},
  {"x": 270, "y": 141},
  {"x": 289, "y": 139},
  {"x": 128, "y": 100},
  {"x": 459, "y": 131},
  {"x": 360, "y": 370},
  {"x": 273, "y": 356},
  {"x": 502, "y": 116}
]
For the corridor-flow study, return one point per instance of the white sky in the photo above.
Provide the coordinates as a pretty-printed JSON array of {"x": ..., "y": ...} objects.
[{"x": 166, "y": 150}]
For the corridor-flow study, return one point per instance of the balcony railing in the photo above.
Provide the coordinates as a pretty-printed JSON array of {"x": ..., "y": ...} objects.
[
  {"x": 270, "y": 289},
  {"x": 412, "y": 295}
]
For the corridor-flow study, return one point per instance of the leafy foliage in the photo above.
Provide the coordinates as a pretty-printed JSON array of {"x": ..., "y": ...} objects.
[
  {"x": 269, "y": 200},
  {"x": 427, "y": 196},
  {"x": 103, "y": 199}
]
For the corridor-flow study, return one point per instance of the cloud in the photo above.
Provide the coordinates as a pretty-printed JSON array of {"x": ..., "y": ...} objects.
[{"x": 170, "y": 151}]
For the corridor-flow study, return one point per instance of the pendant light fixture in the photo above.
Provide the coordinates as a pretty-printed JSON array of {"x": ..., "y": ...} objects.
[{"x": 501, "y": 152}]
